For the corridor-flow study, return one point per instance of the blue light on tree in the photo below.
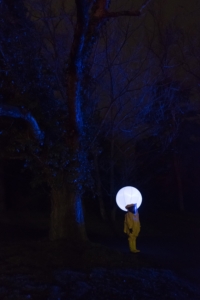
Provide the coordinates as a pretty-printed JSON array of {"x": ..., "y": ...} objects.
[{"x": 128, "y": 195}]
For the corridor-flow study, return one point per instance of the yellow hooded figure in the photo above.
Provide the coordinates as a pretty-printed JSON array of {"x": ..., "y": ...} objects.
[{"x": 132, "y": 226}]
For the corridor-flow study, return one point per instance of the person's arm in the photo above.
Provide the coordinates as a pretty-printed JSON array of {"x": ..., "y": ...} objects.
[
  {"x": 126, "y": 228},
  {"x": 128, "y": 224}
]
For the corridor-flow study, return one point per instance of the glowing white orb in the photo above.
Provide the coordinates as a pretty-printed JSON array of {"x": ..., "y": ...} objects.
[{"x": 128, "y": 195}]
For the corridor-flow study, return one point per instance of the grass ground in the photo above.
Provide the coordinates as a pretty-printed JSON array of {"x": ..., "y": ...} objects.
[{"x": 32, "y": 267}]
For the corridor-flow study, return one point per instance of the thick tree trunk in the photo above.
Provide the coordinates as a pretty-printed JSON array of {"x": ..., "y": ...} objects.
[
  {"x": 99, "y": 189},
  {"x": 2, "y": 189},
  {"x": 67, "y": 220},
  {"x": 112, "y": 182},
  {"x": 179, "y": 182}
]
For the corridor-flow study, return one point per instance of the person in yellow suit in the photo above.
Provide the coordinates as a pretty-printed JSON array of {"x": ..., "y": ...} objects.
[{"x": 132, "y": 226}]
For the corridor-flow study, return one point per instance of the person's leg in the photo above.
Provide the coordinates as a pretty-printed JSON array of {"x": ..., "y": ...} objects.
[{"x": 132, "y": 244}]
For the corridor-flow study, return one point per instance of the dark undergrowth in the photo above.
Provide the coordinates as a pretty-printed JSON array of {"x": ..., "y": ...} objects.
[{"x": 32, "y": 267}]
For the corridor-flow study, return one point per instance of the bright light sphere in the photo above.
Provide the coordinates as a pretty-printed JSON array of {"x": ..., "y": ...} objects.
[{"x": 128, "y": 195}]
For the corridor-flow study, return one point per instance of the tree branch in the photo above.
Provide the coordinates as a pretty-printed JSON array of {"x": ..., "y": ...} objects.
[
  {"x": 121, "y": 14},
  {"x": 144, "y": 5},
  {"x": 14, "y": 112},
  {"x": 102, "y": 10}
]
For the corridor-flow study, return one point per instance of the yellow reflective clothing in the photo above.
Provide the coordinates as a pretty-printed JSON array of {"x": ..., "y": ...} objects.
[{"x": 132, "y": 221}]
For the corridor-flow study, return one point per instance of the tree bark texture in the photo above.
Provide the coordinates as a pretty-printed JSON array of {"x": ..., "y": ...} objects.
[
  {"x": 2, "y": 189},
  {"x": 179, "y": 182},
  {"x": 99, "y": 189},
  {"x": 112, "y": 181},
  {"x": 67, "y": 216},
  {"x": 66, "y": 221}
]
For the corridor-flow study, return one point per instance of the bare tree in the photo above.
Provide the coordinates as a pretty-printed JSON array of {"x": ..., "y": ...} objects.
[
  {"x": 60, "y": 150},
  {"x": 146, "y": 98}
]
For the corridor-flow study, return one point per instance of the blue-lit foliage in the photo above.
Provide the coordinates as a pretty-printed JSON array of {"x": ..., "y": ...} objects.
[
  {"x": 79, "y": 210},
  {"x": 35, "y": 90},
  {"x": 70, "y": 103},
  {"x": 27, "y": 93}
]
